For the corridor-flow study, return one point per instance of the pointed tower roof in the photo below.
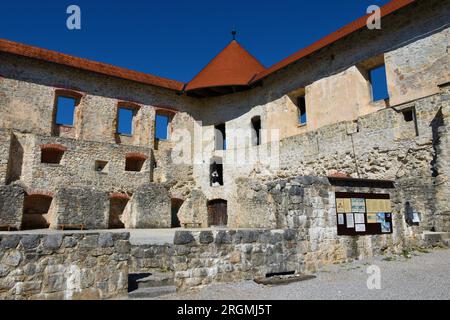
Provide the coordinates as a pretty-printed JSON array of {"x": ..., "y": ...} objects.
[{"x": 232, "y": 67}]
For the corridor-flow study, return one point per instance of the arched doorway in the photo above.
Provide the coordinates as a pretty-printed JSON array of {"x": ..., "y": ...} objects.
[{"x": 217, "y": 213}]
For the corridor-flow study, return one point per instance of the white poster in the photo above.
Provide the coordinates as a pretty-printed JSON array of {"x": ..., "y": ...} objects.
[
  {"x": 358, "y": 205},
  {"x": 359, "y": 218},
  {"x": 360, "y": 227},
  {"x": 340, "y": 218},
  {"x": 350, "y": 221}
]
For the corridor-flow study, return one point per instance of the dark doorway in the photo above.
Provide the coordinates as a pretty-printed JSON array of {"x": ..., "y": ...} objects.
[
  {"x": 175, "y": 207},
  {"x": 35, "y": 212},
  {"x": 117, "y": 207},
  {"x": 217, "y": 213}
]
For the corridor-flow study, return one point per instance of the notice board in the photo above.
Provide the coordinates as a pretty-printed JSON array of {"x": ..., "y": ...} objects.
[{"x": 363, "y": 213}]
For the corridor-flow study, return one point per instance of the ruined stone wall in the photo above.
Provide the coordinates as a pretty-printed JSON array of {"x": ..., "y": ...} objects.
[
  {"x": 307, "y": 204},
  {"x": 150, "y": 207},
  {"x": 27, "y": 97},
  {"x": 413, "y": 46},
  {"x": 77, "y": 166},
  {"x": 27, "y": 101},
  {"x": 175, "y": 175},
  {"x": 63, "y": 265},
  {"x": 381, "y": 145},
  {"x": 442, "y": 163},
  {"x": 205, "y": 257}
]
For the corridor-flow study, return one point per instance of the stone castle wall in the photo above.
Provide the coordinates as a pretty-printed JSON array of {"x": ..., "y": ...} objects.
[
  {"x": 64, "y": 265},
  {"x": 204, "y": 257},
  {"x": 77, "y": 166},
  {"x": 5, "y": 144}
]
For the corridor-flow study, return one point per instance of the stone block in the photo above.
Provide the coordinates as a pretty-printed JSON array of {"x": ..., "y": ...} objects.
[
  {"x": 79, "y": 205},
  {"x": 183, "y": 237},
  {"x": 11, "y": 205},
  {"x": 150, "y": 207}
]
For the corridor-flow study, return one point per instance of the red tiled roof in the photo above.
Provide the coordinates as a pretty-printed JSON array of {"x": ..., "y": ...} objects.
[
  {"x": 89, "y": 65},
  {"x": 233, "y": 66},
  {"x": 356, "y": 25}
]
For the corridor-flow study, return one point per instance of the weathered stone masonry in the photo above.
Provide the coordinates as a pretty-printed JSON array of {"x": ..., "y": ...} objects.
[
  {"x": 89, "y": 176},
  {"x": 69, "y": 265}
]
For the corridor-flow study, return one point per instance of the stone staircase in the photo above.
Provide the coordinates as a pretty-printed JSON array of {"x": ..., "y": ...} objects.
[{"x": 150, "y": 285}]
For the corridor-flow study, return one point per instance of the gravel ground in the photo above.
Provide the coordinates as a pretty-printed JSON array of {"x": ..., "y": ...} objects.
[{"x": 423, "y": 276}]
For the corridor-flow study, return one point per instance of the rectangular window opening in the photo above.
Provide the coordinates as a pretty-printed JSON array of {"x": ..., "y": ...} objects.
[
  {"x": 301, "y": 105},
  {"x": 378, "y": 83},
  {"x": 161, "y": 127},
  {"x": 220, "y": 136},
  {"x": 216, "y": 173},
  {"x": 51, "y": 156},
  {"x": 65, "y": 110},
  {"x": 125, "y": 121},
  {"x": 134, "y": 164}
]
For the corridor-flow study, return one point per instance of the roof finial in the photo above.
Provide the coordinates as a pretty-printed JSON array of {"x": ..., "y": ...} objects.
[{"x": 233, "y": 32}]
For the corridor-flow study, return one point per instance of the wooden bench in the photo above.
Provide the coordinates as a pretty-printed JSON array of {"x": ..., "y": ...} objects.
[
  {"x": 71, "y": 226},
  {"x": 191, "y": 225}
]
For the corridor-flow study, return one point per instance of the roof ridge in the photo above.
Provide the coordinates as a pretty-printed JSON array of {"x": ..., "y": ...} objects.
[{"x": 87, "y": 64}]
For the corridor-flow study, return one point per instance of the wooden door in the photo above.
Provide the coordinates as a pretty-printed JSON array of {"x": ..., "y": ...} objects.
[{"x": 217, "y": 213}]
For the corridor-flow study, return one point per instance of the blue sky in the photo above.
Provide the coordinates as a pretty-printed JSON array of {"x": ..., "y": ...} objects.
[{"x": 175, "y": 39}]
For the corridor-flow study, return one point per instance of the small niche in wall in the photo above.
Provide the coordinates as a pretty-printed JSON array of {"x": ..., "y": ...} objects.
[
  {"x": 117, "y": 206},
  {"x": 408, "y": 115},
  {"x": 135, "y": 162},
  {"x": 52, "y": 154},
  {"x": 101, "y": 166}
]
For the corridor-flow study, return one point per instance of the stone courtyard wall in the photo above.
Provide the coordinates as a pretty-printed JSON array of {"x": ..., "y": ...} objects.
[
  {"x": 77, "y": 166},
  {"x": 205, "y": 257},
  {"x": 146, "y": 258},
  {"x": 63, "y": 265}
]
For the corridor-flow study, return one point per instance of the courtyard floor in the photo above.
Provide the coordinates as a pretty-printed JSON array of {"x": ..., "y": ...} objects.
[{"x": 423, "y": 275}]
